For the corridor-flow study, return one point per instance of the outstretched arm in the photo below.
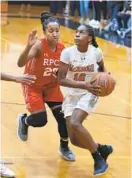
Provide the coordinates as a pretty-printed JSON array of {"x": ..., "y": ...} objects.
[{"x": 26, "y": 79}]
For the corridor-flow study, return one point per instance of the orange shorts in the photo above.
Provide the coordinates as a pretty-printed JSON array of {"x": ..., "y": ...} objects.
[{"x": 35, "y": 98}]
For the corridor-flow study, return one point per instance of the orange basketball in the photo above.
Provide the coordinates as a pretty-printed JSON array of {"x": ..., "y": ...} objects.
[{"x": 105, "y": 81}]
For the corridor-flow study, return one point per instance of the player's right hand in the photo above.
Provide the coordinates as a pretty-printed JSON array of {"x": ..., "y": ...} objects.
[
  {"x": 32, "y": 38},
  {"x": 93, "y": 88}
]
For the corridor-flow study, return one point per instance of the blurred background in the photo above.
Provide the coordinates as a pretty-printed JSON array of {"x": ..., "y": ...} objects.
[{"x": 111, "y": 19}]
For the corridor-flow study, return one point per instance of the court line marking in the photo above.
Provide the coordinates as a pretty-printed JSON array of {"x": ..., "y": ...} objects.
[
  {"x": 112, "y": 115},
  {"x": 105, "y": 114}
]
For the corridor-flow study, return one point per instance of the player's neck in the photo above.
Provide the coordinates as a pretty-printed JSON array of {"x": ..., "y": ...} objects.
[
  {"x": 52, "y": 46},
  {"x": 82, "y": 49}
]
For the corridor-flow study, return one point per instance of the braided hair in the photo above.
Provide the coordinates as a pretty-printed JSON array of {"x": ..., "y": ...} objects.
[
  {"x": 91, "y": 32},
  {"x": 46, "y": 18}
]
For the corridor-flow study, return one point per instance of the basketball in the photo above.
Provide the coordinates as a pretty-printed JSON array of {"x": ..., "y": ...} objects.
[{"x": 105, "y": 81}]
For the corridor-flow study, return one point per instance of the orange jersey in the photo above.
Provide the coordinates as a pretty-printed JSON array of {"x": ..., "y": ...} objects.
[{"x": 46, "y": 66}]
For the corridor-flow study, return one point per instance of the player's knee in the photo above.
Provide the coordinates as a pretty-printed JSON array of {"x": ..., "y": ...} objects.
[
  {"x": 74, "y": 125},
  {"x": 59, "y": 116},
  {"x": 37, "y": 120}
]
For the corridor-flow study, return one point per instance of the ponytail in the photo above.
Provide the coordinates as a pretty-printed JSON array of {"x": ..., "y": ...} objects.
[
  {"x": 94, "y": 42},
  {"x": 91, "y": 32}
]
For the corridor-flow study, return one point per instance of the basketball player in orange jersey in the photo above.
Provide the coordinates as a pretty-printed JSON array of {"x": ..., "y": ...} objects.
[
  {"x": 75, "y": 63},
  {"x": 26, "y": 79},
  {"x": 41, "y": 58}
]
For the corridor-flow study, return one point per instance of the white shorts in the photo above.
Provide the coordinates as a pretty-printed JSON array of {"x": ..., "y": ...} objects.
[{"x": 85, "y": 102}]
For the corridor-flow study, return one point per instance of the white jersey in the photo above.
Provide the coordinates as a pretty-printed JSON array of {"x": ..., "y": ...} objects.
[{"x": 80, "y": 64}]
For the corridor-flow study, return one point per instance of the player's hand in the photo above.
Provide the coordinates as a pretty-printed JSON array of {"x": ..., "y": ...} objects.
[
  {"x": 93, "y": 88},
  {"x": 32, "y": 38},
  {"x": 26, "y": 79}
]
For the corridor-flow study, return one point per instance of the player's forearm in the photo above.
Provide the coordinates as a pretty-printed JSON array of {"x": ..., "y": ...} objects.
[
  {"x": 23, "y": 59},
  {"x": 7, "y": 77},
  {"x": 73, "y": 84}
]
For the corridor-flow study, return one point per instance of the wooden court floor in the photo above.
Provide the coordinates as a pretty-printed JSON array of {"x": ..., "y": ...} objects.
[{"x": 109, "y": 124}]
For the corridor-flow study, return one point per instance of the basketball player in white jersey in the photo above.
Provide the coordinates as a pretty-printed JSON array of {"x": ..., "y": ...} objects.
[
  {"x": 26, "y": 79},
  {"x": 76, "y": 63}
]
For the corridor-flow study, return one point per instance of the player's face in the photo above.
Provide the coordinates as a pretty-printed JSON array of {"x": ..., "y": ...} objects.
[
  {"x": 82, "y": 38},
  {"x": 53, "y": 32}
]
